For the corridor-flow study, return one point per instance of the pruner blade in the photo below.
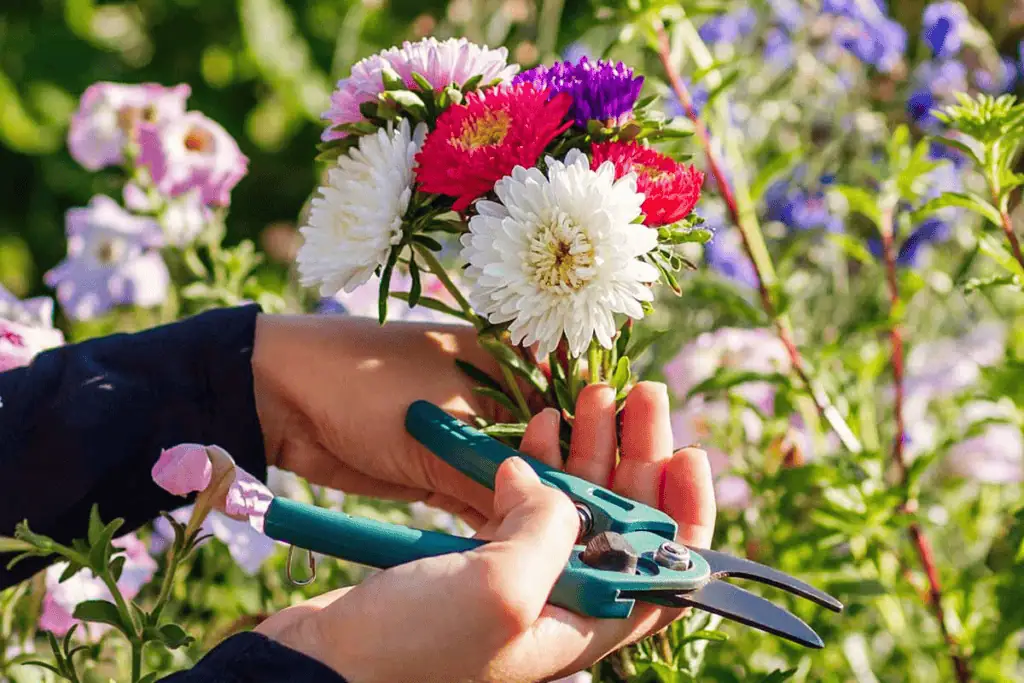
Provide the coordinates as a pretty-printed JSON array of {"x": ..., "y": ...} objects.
[
  {"x": 723, "y": 565},
  {"x": 732, "y": 602}
]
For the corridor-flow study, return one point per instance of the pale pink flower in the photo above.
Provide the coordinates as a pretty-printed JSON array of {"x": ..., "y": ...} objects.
[
  {"x": 26, "y": 328},
  {"x": 742, "y": 349},
  {"x": 248, "y": 497},
  {"x": 996, "y": 455},
  {"x": 183, "y": 469},
  {"x": 192, "y": 152},
  {"x": 109, "y": 114},
  {"x": 441, "y": 63},
  {"x": 62, "y": 598}
]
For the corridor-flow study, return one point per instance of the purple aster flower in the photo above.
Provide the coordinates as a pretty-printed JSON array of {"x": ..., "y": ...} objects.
[
  {"x": 920, "y": 107},
  {"x": 778, "y": 48},
  {"x": 109, "y": 114},
  {"x": 798, "y": 209},
  {"x": 724, "y": 253},
  {"x": 192, "y": 152},
  {"x": 729, "y": 27},
  {"x": 942, "y": 27},
  {"x": 1002, "y": 81},
  {"x": 110, "y": 261},
  {"x": 601, "y": 91},
  {"x": 868, "y": 33}
]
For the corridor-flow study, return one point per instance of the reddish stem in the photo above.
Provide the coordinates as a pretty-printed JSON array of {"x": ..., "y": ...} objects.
[
  {"x": 917, "y": 536},
  {"x": 820, "y": 399},
  {"x": 1012, "y": 236}
]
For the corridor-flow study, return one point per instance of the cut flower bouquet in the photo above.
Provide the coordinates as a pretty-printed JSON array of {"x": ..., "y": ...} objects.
[{"x": 539, "y": 191}]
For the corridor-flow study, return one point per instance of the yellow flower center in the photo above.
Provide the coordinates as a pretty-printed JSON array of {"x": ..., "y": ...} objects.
[
  {"x": 561, "y": 257},
  {"x": 489, "y": 129},
  {"x": 649, "y": 172},
  {"x": 109, "y": 251}
]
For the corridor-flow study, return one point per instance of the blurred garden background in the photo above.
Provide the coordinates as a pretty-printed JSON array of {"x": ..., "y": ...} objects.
[{"x": 872, "y": 239}]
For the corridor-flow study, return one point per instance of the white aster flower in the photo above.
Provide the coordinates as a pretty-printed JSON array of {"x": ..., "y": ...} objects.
[
  {"x": 559, "y": 255},
  {"x": 357, "y": 216}
]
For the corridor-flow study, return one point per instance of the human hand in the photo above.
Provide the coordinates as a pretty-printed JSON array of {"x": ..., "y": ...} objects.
[
  {"x": 482, "y": 615},
  {"x": 332, "y": 393}
]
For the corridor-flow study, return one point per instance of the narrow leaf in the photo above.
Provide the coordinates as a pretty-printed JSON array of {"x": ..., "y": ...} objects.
[
  {"x": 478, "y": 375},
  {"x": 505, "y": 429},
  {"x": 385, "y": 286},
  {"x": 416, "y": 288},
  {"x": 95, "y": 525},
  {"x": 963, "y": 200},
  {"x": 499, "y": 397},
  {"x": 99, "y": 611}
]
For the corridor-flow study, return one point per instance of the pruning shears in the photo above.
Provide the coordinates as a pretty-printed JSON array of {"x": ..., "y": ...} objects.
[{"x": 626, "y": 551}]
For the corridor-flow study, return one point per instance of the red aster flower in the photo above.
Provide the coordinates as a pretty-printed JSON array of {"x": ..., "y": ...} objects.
[
  {"x": 670, "y": 189},
  {"x": 480, "y": 141}
]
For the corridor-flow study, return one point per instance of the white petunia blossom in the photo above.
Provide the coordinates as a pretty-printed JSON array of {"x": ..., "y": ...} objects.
[
  {"x": 559, "y": 254},
  {"x": 357, "y": 216}
]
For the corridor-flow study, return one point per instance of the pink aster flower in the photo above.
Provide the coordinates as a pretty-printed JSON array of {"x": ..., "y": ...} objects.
[
  {"x": 192, "y": 152},
  {"x": 110, "y": 261},
  {"x": 109, "y": 114},
  {"x": 670, "y": 189},
  {"x": 62, "y": 598},
  {"x": 480, "y": 141},
  {"x": 441, "y": 63}
]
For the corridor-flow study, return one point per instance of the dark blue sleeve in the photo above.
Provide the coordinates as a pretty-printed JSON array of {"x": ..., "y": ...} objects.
[
  {"x": 85, "y": 423},
  {"x": 254, "y": 658}
]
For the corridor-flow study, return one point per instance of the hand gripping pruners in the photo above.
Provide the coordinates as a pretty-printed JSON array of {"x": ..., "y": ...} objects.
[{"x": 626, "y": 550}]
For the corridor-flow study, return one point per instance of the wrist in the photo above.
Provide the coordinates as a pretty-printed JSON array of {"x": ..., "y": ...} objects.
[{"x": 269, "y": 343}]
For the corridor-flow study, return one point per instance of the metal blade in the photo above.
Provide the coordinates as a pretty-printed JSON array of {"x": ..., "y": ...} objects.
[
  {"x": 728, "y": 565},
  {"x": 734, "y": 603}
]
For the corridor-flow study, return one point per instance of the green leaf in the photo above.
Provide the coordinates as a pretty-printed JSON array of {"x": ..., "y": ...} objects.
[
  {"x": 44, "y": 665},
  {"x": 711, "y": 636},
  {"x": 852, "y": 247},
  {"x": 687, "y": 236},
  {"x": 101, "y": 551},
  {"x": 472, "y": 83},
  {"x": 95, "y": 525},
  {"x": 997, "y": 250},
  {"x": 956, "y": 144},
  {"x": 432, "y": 304},
  {"x": 117, "y": 566},
  {"x": 963, "y": 200},
  {"x": 727, "y": 378},
  {"x": 391, "y": 79},
  {"x": 429, "y": 242},
  {"x": 408, "y": 100},
  {"x": 422, "y": 82},
  {"x": 779, "y": 675},
  {"x": 477, "y": 375},
  {"x": 622, "y": 375},
  {"x": 385, "y": 285},
  {"x": 72, "y": 569},
  {"x": 779, "y": 165},
  {"x": 100, "y": 611},
  {"x": 505, "y": 429},
  {"x": 975, "y": 284},
  {"x": 498, "y": 396},
  {"x": 507, "y": 356},
  {"x": 174, "y": 636},
  {"x": 727, "y": 81},
  {"x": 416, "y": 288},
  {"x": 861, "y": 202},
  {"x": 865, "y": 588}
]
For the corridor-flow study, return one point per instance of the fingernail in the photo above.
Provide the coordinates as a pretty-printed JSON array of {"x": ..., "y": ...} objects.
[
  {"x": 520, "y": 467},
  {"x": 552, "y": 415}
]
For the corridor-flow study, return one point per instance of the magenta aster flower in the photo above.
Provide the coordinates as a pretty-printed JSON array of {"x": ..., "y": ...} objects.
[
  {"x": 601, "y": 91},
  {"x": 109, "y": 262},
  {"x": 192, "y": 152},
  {"x": 441, "y": 63},
  {"x": 109, "y": 114}
]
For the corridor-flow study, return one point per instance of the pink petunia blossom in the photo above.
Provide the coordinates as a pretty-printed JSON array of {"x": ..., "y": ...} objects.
[
  {"x": 247, "y": 547},
  {"x": 248, "y": 497},
  {"x": 109, "y": 115},
  {"x": 26, "y": 328},
  {"x": 183, "y": 469},
  {"x": 192, "y": 152}
]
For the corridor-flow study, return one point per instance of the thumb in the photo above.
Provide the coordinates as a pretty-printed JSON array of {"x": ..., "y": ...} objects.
[{"x": 537, "y": 522}]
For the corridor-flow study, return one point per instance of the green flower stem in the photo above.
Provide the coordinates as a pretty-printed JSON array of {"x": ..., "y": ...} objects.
[
  {"x": 594, "y": 361},
  {"x": 1000, "y": 202},
  {"x": 439, "y": 271},
  {"x": 736, "y": 194},
  {"x": 136, "y": 661}
]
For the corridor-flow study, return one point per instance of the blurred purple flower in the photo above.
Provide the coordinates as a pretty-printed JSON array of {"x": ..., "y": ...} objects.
[
  {"x": 798, "y": 209},
  {"x": 788, "y": 13},
  {"x": 778, "y": 48},
  {"x": 62, "y": 598},
  {"x": 192, "y": 152},
  {"x": 183, "y": 218},
  {"x": 109, "y": 114},
  {"x": 920, "y": 107},
  {"x": 995, "y": 456},
  {"x": 942, "y": 27},
  {"x": 109, "y": 261},
  {"x": 867, "y": 32},
  {"x": 576, "y": 51},
  {"x": 1002, "y": 81},
  {"x": 729, "y": 27},
  {"x": 725, "y": 254}
]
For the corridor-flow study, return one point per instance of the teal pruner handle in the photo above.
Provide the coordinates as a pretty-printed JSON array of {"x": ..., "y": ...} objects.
[{"x": 365, "y": 541}]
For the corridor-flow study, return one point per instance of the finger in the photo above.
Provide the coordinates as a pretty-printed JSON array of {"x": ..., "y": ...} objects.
[
  {"x": 535, "y": 536},
  {"x": 540, "y": 440},
  {"x": 594, "y": 442},
  {"x": 474, "y": 519},
  {"x": 646, "y": 443},
  {"x": 688, "y": 495}
]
